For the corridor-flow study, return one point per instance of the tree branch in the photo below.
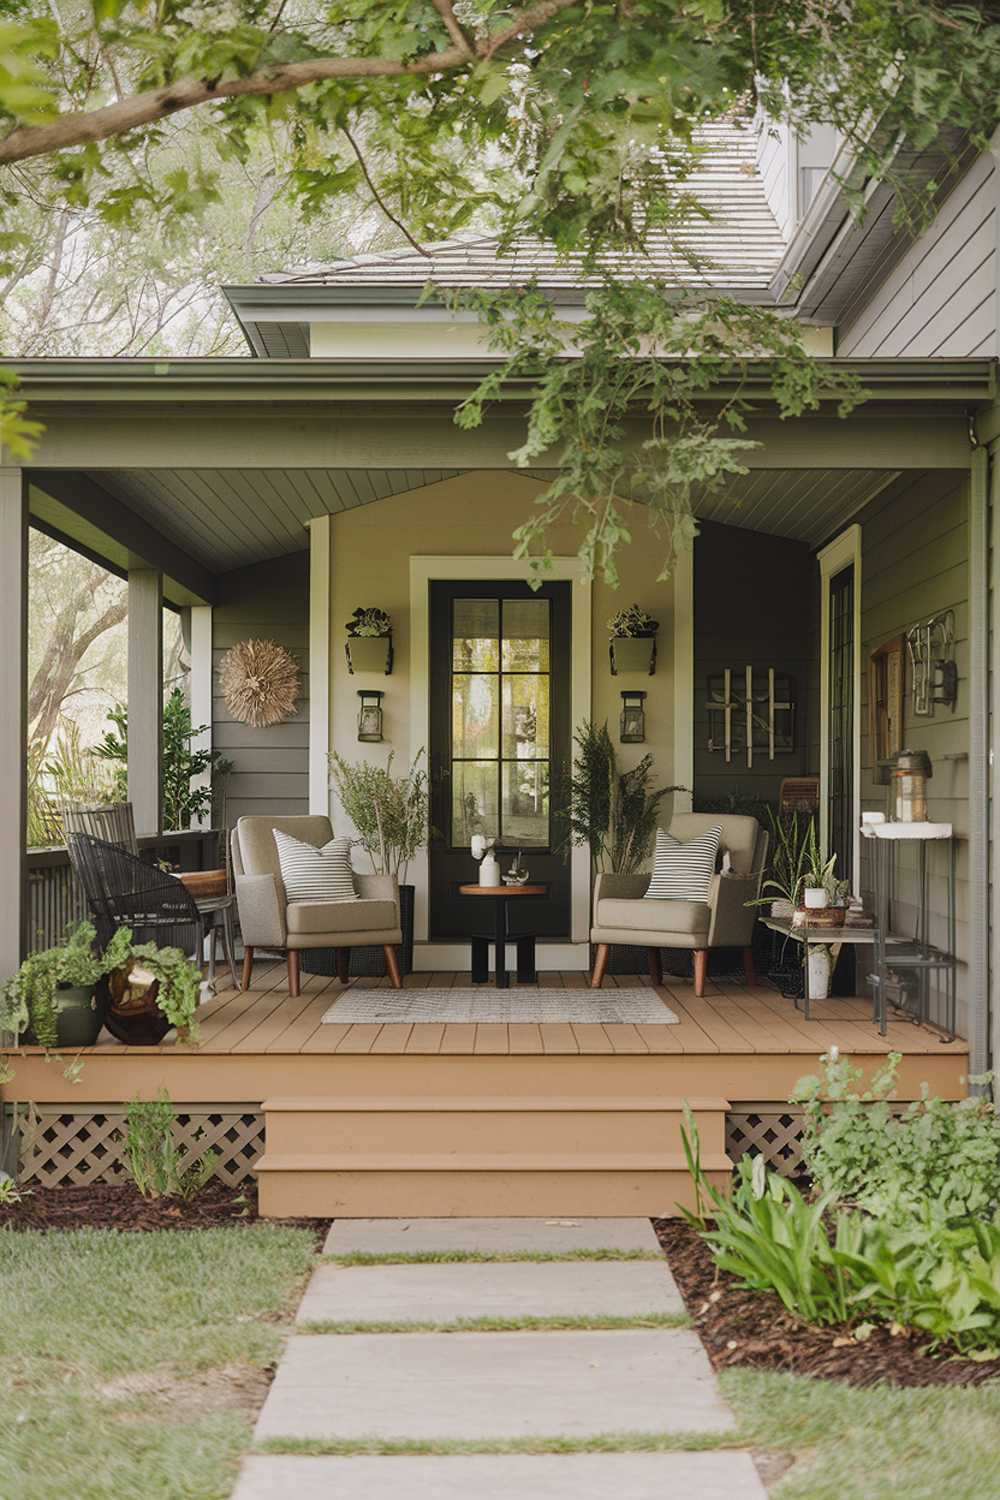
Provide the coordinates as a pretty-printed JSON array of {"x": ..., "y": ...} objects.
[
  {"x": 85, "y": 126},
  {"x": 453, "y": 26},
  {"x": 377, "y": 195}
]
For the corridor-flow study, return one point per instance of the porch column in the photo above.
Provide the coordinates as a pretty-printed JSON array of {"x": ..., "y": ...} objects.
[
  {"x": 14, "y": 718},
  {"x": 145, "y": 696},
  {"x": 320, "y": 544},
  {"x": 979, "y": 754},
  {"x": 201, "y": 695}
]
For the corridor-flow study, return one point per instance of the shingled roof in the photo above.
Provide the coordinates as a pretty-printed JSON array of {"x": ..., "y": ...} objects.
[{"x": 738, "y": 247}]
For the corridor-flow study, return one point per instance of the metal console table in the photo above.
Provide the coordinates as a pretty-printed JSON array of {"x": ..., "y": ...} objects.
[{"x": 899, "y": 955}]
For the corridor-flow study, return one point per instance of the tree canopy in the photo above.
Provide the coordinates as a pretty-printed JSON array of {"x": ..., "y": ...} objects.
[{"x": 573, "y": 121}]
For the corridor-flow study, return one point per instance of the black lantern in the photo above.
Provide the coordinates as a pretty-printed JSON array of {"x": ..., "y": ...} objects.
[
  {"x": 370, "y": 715},
  {"x": 632, "y": 725}
]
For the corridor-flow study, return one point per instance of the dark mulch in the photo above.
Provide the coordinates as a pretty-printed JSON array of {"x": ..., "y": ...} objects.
[
  {"x": 742, "y": 1329},
  {"x": 112, "y": 1205}
]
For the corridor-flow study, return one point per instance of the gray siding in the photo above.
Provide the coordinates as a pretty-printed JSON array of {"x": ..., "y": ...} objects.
[
  {"x": 915, "y": 557},
  {"x": 755, "y": 603},
  {"x": 270, "y": 766},
  {"x": 940, "y": 297}
]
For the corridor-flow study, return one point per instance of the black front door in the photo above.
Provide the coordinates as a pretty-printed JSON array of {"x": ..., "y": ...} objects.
[
  {"x": 841, "y": 726},
  {"x": 499, "y": 747}
]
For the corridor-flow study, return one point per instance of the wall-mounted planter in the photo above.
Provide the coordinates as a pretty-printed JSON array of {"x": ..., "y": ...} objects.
[
  {"x": 369, "y": 653},
  {"x": 636, "y": 653}
]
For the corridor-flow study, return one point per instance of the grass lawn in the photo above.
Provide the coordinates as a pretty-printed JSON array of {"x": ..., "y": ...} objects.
[{"x": 133, "y": 1364}]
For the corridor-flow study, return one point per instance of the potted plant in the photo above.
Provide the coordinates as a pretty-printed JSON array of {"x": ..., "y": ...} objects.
[
  {"x": 149, "y": 990},
  {"x": 390, "y": 814},
  {"x": 632, "y": 647},
  {"x": 51, "y": 1001},
  {"x": 615, "y": 813},
  {"x": 792, "y": 842},
  {"x": 369, "y": 641}
]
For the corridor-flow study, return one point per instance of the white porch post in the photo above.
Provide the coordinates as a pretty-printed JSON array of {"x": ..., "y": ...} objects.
[
  {"x": 13, "y": 723},
  {"x": 201, "y": 694},
  {"x": 145, "y": 696},
  {"x": 320, "y": 544}
]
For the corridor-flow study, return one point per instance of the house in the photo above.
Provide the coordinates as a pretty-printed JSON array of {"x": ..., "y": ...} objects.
[{"x": 273, "y": 495}]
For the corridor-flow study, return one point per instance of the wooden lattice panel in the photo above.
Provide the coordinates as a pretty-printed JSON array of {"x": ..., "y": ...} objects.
[
  {"x": 775, "y": 1134},
  {"x": 79, "y": 1146}
]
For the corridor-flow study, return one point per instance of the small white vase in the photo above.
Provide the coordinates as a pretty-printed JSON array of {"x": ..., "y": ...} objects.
[
  {"x": 815, "y": 897},
  {"x": 489, "y": 870},
  {"x": 818, "y": 960}
]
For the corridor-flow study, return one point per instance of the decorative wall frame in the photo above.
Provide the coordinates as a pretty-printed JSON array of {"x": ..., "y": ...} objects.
[
  {"x": 260, "y": 683},
  {"x": 886, "y": 672},
  {"x": 751, "y": 713}
]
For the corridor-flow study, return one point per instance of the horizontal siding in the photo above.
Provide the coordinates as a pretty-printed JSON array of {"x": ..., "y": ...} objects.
[
  {"x": 940, "y": 298},
  {"x": 270, "y": 766},
  {"x": 915, "y": 557}
]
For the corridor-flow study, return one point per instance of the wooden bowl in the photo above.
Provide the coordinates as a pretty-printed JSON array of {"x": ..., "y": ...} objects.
[{"x": 204, "y": 884}]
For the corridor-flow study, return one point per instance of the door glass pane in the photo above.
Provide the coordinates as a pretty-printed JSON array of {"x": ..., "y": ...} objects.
[
  {"x": 525, "y": 812},
  {"x": 476, "y": 631},
  {"x": 474, "y": 799},
  {"x": 525, "y": 717},
  {"x": 474, "y": 716},
  {"x": 525, "y": 635}
]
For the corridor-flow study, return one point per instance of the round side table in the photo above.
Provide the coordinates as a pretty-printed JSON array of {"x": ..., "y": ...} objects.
[{"x": 500, "y": 895}]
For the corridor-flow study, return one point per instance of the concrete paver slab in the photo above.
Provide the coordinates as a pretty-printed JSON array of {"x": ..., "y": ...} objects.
[
  {"x": 493, "y": 1385},
  {"x": 584, "y": 1476},
  {"x": 503, "y": 1289},
  {"x": 544, "y": 1236}
]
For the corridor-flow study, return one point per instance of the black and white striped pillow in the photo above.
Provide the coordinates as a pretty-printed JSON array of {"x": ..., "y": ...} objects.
[
  {"x": 683, "y": 872},
  {"x": 312, "y": 874}
]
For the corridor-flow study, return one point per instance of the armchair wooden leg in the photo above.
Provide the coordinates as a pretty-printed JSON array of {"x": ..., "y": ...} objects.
[
  {"x": 749, "y": 972},
  {"x": 247, "y": 967},
  {"x": 343, "y": 964},
  {"x": 293, "y": 973},
  {"x": 655, "y": 965},
  {"x": 392, "y": 964},
  {"x": 600, "y": 964},
  {"x": 700, "y": 966}
]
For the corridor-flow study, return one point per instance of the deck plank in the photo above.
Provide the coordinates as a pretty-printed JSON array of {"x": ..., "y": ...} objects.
[
  {"x": 306, "y": 1025},
  {"x": 558, "y": 1037},
  {"x": 459, "y": 1037},
  {"x": 425, "y": 1036},
  {"x": 393, "y": 1037},
  {"x": 525, "y": 1037},
  {"x": 624, "y": 1038},
  {"x": 492, "y": 1038},
  {"x": 359, "y": 1037}
]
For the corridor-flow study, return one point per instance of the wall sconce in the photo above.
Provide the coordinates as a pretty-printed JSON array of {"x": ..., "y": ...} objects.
[
  {"x": 370, "y": 715},
  {"x": 632, "y": 724}
]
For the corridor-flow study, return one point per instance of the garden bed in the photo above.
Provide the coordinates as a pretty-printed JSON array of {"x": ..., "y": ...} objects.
[
  {"x": 113, "y": 1205},
  {"x": 741, "y": 1328}
]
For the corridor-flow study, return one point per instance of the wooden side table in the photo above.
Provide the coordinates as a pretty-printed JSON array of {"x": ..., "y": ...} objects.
[{"x": 500, "y": 896}]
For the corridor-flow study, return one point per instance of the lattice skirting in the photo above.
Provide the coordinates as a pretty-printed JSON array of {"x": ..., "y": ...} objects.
[
  {"x": 769, "y": 1130},
  {"x": 70, "y": 1145}
]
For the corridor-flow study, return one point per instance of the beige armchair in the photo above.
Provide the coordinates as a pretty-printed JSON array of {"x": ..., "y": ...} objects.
[
  {"x": 621, "y": 915},
  {"x": 269, "y": 920}
]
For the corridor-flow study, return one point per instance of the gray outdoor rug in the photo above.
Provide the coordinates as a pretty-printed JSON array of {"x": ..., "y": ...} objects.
[{"x": 638, "y": 1007}]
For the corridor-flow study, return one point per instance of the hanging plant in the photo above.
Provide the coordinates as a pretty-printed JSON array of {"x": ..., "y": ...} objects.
[{"x": 260, "y": 682}]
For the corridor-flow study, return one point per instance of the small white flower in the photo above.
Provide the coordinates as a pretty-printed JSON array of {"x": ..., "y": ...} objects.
[
  {"x": 834, "y": 1053},
  {"x": 758, "y": 1177}
]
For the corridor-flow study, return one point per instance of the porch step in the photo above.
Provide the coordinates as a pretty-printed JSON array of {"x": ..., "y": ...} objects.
[
  {"x": 464, "y": 1184},
  {"x": 486, "y": 1126}
]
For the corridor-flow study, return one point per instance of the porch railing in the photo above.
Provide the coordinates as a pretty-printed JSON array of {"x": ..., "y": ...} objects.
[{"x": 54, "y": 895}]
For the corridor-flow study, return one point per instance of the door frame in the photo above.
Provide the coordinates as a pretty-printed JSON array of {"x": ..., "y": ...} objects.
[
  {"x": 424, "y": 571},
  {"x": 843, "y": 552}
]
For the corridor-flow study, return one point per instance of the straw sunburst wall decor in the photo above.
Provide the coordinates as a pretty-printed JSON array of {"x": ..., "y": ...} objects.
[{"x": 260, "y": 682}]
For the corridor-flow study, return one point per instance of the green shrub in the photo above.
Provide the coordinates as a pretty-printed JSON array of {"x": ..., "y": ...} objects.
[
  {"x": 28, "y": 998},
  {"x": 155, "y": 1164},
  {"x": 861, "y": 1149}
]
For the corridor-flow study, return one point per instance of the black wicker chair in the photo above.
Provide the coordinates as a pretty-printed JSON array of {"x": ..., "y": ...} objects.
[{"x": 123, "y": 891}]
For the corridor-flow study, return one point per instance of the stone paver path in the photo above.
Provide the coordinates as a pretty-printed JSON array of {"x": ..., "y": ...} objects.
[{"x": 494, "y": 1387}]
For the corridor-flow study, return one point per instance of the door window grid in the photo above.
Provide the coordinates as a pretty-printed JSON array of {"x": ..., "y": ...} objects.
[
  {"x": 500, "y": 749},
  {"x": 841, "y": 724}
]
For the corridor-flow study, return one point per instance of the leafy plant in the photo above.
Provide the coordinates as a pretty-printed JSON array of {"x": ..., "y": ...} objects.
[
  {"x": 182, "y": 802},
  {"x": 66, "y": 771},
  {"x": 179, "y": 984},
  {"x": 389, "y": 812},
  {"x": 28, "y": 998},
  {"x": 369, "y": 622},
  {"x": 156, "y": 1165},
  {"x": 633, "y": 621},
  {"x": 613, "y": 812},
  {"x": 862, "y": 1149},
  {"x": 793, "y": 849}
]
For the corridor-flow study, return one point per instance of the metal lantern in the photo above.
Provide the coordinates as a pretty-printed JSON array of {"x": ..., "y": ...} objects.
[
  {"x": 911, "y": 772},
  {"x": 370, "y": 715},
  {"x": 632, "y": 725}
]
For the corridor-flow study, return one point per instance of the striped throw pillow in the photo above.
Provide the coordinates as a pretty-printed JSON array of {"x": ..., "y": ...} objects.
[
  {"x": 312, "y": 874},
  {"x": 683, "y": 872}
]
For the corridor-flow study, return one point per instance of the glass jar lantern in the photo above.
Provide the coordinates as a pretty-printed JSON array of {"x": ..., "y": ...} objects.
[
  {"x": 632, "y": 725},
  {"x": 908, "y": 798},
  {"x": 370, "y": 715}
]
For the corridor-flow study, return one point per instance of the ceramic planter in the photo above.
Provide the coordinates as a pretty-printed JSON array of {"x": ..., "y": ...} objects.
[
  {"x": 634, "y": 653},
  {"x": 818, "y": 959},
  {"x": 369, "y": 653},
  {"x": 78, "y": 1017},
  {"x": 129, "y": 1010},
  {"x": 814, "y": 898}
]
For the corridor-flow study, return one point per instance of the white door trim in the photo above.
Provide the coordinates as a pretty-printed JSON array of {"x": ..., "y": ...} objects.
[
  {"x": 841, "y": 553},
  {"x": 683, "y": 651},
  {"x": 424, "y": 571},
  {"x": 320, "y": 543}
]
